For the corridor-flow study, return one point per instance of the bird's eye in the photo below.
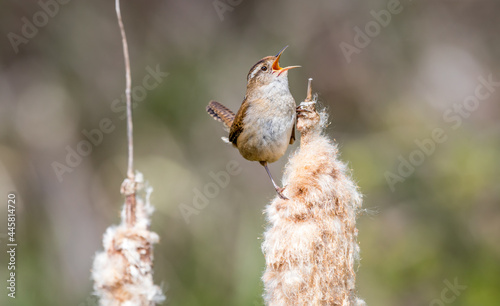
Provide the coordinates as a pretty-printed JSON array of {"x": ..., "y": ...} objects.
[{"x": 264, "y": 68}]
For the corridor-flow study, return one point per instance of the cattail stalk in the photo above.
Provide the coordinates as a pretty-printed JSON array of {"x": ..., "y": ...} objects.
[
  {"x": 123, "y": 272},
  {"x": 310, "y": 246}
]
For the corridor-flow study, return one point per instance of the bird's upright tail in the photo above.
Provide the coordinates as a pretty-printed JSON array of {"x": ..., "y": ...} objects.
[{"x": 220, "y": 113}]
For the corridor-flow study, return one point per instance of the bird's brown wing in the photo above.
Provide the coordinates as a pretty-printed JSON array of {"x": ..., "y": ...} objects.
[
  {"x": 292, "y": 138},
  {"x": 237, "y": 126},
  {"x": 220, "y": 113}
]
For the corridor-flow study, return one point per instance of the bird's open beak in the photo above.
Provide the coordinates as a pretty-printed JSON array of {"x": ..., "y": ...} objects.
[{"x": 276, "y": 66}]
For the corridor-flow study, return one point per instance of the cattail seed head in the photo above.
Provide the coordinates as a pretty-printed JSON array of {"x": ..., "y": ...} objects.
[{"x": 310, "y": 245}]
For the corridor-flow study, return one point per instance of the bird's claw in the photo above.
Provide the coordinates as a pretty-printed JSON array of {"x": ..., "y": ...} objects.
[
  {"x": 279, "y": 191},
  {"x": 299, "y": 110}
]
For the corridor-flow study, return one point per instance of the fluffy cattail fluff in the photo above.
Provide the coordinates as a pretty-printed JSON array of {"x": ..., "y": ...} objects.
[
  {"x": 310, "y": 246},
  {"x": 123, "y": 272}
]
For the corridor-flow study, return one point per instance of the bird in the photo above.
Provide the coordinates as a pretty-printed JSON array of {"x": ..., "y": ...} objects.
[{"x": 264, "y": 125}]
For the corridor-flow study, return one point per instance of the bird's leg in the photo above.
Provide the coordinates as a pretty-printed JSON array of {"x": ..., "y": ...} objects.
[
  {"x": 278, "y": 189},
  {"x": 299, "y": 109}
]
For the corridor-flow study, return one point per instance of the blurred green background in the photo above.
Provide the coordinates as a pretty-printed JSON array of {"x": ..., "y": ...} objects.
[{"x": 426, "y": 226}]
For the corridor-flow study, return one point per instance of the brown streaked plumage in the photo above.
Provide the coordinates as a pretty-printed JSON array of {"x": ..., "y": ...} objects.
[
  {"x": 220, "y": 113},
  {"x": 264, "y": 125}
]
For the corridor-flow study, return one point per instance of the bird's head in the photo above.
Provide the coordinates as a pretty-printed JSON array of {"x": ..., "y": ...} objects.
[{"x": 268, "y": 70}]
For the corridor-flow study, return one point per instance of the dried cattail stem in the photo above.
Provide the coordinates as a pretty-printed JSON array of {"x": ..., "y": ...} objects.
[
  {"x": 311, "y": 245},
  {"x": 123, "y": 272}
]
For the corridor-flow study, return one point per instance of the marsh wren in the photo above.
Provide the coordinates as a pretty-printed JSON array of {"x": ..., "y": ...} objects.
[{"x": 264, "y": 125}]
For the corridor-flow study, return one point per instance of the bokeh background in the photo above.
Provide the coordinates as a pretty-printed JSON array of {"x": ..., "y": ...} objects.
[{"x": 438, "y": 224}]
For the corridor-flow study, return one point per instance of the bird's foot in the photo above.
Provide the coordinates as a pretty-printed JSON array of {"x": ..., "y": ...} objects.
[
  {"x": 300, "y": 110},
  {"x": 279, "y": 191}
]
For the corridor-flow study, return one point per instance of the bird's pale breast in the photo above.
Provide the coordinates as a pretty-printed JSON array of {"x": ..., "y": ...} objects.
[{"x": 268, "y": 128}]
